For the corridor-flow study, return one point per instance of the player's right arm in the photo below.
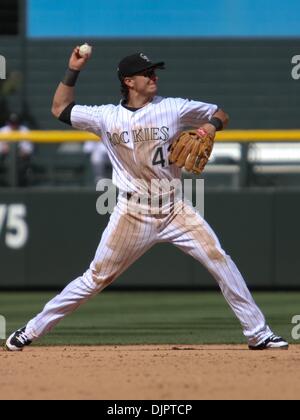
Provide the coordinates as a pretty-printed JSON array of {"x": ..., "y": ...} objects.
[{"x": 64, "y": 98}]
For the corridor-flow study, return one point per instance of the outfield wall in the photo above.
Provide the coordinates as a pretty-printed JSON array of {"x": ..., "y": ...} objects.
[
  {"x": 250, "y": 78},
  {"x": 47, "y": 238}
]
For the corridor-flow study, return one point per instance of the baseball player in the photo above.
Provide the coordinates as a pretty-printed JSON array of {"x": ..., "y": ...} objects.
[
  {"x": 138, "y": 134},
  {"x": 14, "y": 124},
  {"x": 25, "y": 148}
]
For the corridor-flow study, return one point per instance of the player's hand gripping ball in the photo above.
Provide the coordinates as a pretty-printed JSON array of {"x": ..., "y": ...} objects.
[
  {"x": 192, "y": 150},
  {"x": 84, "y": 50}
]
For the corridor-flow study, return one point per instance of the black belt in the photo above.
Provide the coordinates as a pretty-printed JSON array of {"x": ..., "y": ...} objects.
[{"x": 149, "y": 201}]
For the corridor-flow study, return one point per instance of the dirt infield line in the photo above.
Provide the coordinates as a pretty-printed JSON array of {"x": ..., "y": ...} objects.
[{"x": 158, "y": 372}]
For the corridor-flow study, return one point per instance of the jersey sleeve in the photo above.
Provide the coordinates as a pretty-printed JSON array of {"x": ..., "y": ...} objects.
[
  {"x": 193, "y": 113},
  {"x": 87, "y": 118}
]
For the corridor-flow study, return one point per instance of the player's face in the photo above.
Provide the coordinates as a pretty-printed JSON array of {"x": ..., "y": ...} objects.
[{"x": 145, "y": 82}]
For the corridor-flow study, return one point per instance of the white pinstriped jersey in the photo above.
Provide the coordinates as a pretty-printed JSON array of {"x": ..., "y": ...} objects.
[{"x": 138, "y": 142}]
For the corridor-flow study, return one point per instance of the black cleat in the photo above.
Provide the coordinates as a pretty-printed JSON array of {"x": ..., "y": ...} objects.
[
  {"x": 272, "y": 343},
  {"x": 17, "y": 341}
]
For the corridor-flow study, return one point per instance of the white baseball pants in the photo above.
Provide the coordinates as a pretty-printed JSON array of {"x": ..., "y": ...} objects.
[{"x": 128, "y": 236}]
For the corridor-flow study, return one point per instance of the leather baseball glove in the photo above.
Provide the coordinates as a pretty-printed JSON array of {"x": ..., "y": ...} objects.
[{"x": 192, "y": 150}]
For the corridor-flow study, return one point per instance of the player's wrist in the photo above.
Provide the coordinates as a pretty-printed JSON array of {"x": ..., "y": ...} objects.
[
  {"x": 207, "y": 129},
  {"x": 71, "y": 77},
  {"x": 217, "y": 123}
]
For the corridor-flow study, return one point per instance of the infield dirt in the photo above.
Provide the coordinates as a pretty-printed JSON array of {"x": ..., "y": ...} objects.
[{"x": 158, "y": 372}]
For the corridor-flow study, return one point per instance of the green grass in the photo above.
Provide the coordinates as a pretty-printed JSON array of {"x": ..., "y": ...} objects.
[{"x": 150, "y": 317}]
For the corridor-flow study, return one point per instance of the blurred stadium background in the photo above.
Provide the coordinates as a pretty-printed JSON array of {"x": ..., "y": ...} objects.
[{"x": 236, "y": 53}]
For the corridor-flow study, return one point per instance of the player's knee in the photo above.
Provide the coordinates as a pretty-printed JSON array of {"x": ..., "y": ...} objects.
[
  {"x": 89, "y": 282},
  {"x": 102, "y": 280},
  {"x": 216, "y": 253}
]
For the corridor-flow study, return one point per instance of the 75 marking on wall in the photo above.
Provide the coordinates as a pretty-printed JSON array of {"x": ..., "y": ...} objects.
[{"x": 13, "y": 225}]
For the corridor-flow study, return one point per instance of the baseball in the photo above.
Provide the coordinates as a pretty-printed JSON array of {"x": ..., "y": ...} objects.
[{"x": 85, "y": 49}]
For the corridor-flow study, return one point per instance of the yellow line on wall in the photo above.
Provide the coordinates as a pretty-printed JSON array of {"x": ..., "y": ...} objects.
[{"x": 82, "y": 136}]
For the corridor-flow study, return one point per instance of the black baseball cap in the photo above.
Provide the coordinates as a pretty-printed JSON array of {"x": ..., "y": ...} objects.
[{"x": 136, "y": 63}]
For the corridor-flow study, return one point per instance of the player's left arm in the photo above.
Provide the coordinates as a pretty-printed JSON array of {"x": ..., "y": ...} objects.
[
  {"x": 193, "y": 148},
  {"x": 196, "y": 114}
]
